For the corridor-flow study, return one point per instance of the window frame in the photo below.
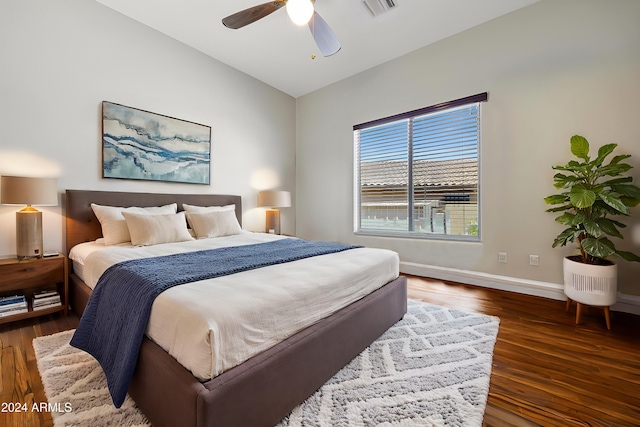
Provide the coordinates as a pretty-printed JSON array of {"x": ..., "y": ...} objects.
[{"x": 409, "y": 115}]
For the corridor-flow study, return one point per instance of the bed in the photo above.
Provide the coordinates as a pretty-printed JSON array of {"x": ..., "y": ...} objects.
[{"x": 266, "y": 387}]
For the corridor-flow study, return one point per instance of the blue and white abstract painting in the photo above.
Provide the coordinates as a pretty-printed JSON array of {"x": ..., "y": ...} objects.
[{"x": 138, "y": 144}]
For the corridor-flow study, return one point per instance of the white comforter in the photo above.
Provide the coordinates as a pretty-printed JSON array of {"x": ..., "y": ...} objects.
[{"x": 213, "y": 325}]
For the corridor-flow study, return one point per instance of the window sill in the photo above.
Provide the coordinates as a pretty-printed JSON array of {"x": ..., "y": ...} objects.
[{"x": 418, "y": 236}]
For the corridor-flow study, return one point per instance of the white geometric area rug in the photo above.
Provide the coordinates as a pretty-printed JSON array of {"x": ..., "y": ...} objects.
[{"x": 430, "y": 369}]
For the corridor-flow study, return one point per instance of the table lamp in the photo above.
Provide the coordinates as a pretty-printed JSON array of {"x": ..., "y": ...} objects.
[
  {"x": 19, "y": 190},
  {"x": 273, "y": 199}
]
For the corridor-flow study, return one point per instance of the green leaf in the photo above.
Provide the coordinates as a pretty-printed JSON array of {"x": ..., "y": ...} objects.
[
  {"x": 608, "y": 226},
  {"x": 617, "y": 181},
  {"x": 559, "y": 176},
  {"x": 617, "y": 223},
  {"x": 567, "y": 235},
  {"x": 613, "y": 200},
  {"x": 555, "y": 199},
  {"x": 614, "y": 170},
  {"x": 628, "y": 256},
  {"x": 592, "y": 228},
  {"x": 628, "y": 190},
  {"x": 600, "y": 248},
  {"x": 566, "y": 219},
  {"x": 581, "y": 197},
  {"x": 619, "y": 158},
  {"x": 561, "y": 180},
  {"x": 560, "y": 208},
  {"x": 630, "y": 201},
  {"x": 600, "y": 209},
  {"x": 603, "y": 152},
  {"x": 580, "y": 147},
  {"x": 573, "y": 220},
  {"x": 572, "y": 166}
]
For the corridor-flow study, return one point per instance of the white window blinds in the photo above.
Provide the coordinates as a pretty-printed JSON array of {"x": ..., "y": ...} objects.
[{"x": 417, "y": 172}]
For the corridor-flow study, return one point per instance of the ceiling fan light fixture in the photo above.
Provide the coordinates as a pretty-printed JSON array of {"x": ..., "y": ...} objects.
[{"x": 300, "y": 11}]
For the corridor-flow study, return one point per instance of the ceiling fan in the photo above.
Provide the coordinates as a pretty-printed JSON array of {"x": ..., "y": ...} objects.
[{"x": 301, "y": 12}]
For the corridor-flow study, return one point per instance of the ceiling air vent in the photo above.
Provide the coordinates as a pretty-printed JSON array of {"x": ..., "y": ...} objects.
[{"x": 376, "y": 7}]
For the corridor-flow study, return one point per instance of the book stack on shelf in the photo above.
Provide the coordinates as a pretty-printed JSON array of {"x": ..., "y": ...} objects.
[
  {"x": 14, "y": 304},
  {"x": 46, "y": 299}
]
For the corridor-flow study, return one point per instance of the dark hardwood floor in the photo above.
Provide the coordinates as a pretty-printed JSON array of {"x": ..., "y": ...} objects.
[
  {"x": 547, "y": 371},
  {"x": 20, "y": 385}
]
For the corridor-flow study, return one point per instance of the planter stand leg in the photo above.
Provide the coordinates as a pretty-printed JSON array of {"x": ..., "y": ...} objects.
[
  {"x": 578, "y": 312},
  {"x": 607, "y": 312},
  {"x": 607, "y": 316}
]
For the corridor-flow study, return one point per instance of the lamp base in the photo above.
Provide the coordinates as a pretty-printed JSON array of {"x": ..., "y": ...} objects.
[
  {"x": 29, "y": 233},
  {"x": 272, "y": 225}
]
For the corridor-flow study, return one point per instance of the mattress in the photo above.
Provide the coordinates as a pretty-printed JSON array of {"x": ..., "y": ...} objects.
[{"x": 213, "y": 325}]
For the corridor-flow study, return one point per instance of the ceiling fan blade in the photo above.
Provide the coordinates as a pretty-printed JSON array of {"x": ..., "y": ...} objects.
[
  {"x": 324, "y": 37},
  {"x": 252, "y": 14}
]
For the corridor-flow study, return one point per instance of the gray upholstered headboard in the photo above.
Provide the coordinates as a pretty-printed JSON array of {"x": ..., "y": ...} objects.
[{"x": 83, "y": 226}]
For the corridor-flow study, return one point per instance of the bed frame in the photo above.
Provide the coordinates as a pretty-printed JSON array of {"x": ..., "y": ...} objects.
[{"x": 265, "y": 388}]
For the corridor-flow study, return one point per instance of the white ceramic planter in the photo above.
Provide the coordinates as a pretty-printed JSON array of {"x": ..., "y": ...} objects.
[{"x": 590, "y": 284}]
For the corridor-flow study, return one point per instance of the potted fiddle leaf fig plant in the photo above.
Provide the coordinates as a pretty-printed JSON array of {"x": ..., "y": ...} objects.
[{"x": 593, "y": 193}]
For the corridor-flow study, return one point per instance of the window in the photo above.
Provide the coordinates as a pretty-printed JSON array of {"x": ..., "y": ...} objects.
[{"x": 416, "y": 173}]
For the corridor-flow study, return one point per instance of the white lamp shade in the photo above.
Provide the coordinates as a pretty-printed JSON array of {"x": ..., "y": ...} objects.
[
  {"x": 274, "y": 199},
  {"x": 20, "y": 190},
  {"x": 300, "y": 11}
]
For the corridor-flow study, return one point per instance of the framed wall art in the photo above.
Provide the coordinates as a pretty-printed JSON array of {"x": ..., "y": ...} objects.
[{"x": 138, "y": 144}]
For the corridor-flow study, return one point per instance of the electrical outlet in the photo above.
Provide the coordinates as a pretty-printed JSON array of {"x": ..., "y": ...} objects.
[
  {"x": 534, "y": 260},
  {"x": 502, "y": 257}
]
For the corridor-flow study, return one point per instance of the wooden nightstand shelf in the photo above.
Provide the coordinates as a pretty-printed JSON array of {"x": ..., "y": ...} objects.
[{"x": 30, "y": 276}]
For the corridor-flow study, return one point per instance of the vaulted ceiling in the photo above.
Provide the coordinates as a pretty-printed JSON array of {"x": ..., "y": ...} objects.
[{"x": 281, "y": 54}]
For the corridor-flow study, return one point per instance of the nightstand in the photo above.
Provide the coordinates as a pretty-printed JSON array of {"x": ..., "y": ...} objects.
[{"x": 31, "y": 276}]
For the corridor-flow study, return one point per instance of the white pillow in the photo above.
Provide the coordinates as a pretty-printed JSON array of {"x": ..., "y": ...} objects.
[
  {"x": 114, "y": 227},
  {"x": 205, "y": 209},
  {"x": 147, "y": 230},
  {"x": 214, "y": 224}
]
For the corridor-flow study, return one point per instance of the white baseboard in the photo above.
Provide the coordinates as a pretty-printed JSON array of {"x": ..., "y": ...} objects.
[{"x": 626, "y": 303}]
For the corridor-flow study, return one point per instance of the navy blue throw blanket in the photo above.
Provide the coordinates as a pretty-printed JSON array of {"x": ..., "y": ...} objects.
[{"x": 115, "y": 319}]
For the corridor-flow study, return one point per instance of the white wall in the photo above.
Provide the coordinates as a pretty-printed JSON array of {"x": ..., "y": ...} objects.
[
  {"x": 61, "y": 59},
  {"x": 552, "y": 70}
]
